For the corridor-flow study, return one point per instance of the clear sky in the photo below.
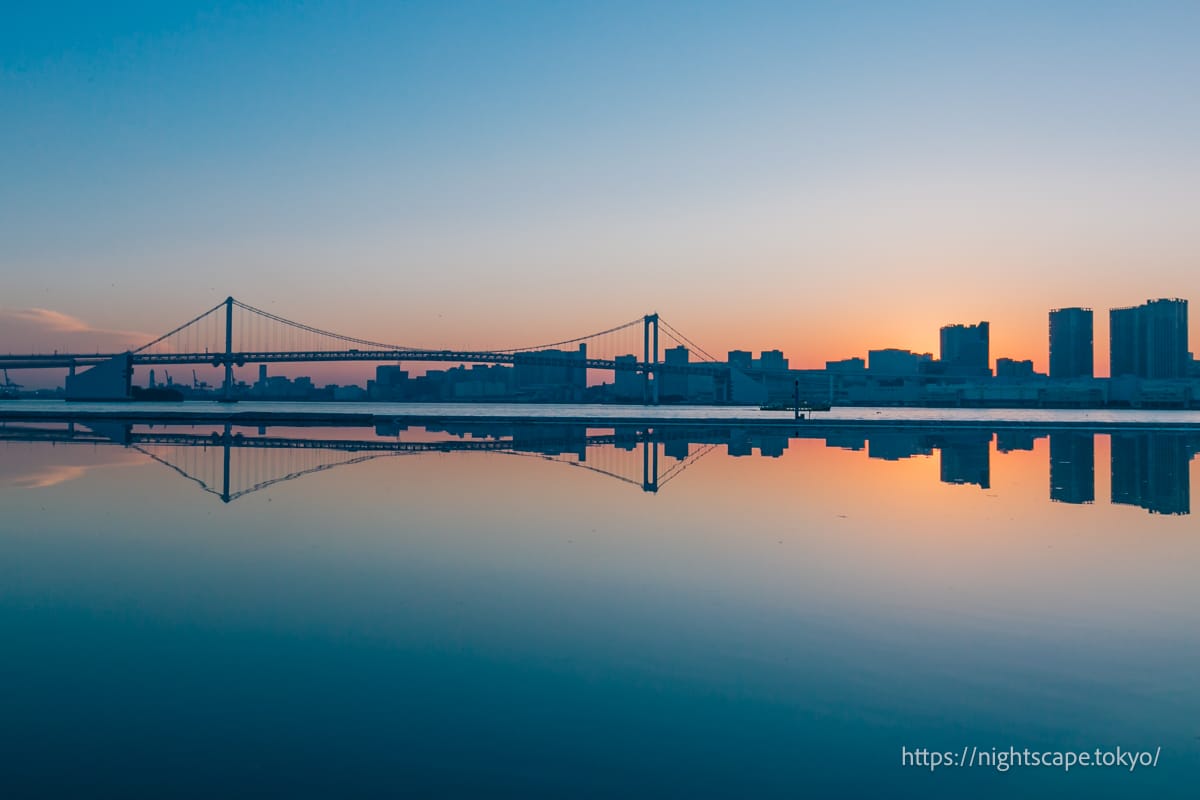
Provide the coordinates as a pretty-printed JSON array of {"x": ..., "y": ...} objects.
[{"x": 820, "y": 177}]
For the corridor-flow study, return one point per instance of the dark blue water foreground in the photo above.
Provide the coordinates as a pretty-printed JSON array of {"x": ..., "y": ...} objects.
[{"x": 593, "y": 613}]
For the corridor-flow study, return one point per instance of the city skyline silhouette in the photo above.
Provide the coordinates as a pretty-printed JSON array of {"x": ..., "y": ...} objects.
[{"x": 1122, "y": 354}]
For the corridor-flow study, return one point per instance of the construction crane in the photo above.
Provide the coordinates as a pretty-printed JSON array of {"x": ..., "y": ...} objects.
[{"x": 9, "y": 388}]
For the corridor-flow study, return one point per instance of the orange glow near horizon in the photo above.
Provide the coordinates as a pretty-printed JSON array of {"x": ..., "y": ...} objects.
[{"x": 808, "y": 340}]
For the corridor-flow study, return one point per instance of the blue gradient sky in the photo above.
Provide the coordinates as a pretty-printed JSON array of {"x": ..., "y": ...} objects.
[{"x": 822, "y": 177}]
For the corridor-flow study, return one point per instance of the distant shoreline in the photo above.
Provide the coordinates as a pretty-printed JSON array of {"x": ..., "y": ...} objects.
[{"x": 241, "y": 416}]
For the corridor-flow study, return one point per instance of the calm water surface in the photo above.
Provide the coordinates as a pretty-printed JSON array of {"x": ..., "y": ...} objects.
[
  {"x": 592, "y": 612},
  {"x": 492, "y": 410}
]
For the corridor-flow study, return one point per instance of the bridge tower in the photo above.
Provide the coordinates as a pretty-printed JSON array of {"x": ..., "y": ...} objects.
[
  {"x": 228, "y": 388},
  {"x": 649, "y": 358}
]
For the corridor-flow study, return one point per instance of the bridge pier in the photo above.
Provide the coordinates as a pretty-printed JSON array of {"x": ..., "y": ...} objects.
[{"x": 108, "y": 380}]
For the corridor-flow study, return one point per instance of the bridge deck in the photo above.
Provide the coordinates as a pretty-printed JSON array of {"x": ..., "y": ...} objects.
[{"x": 66, "y": 360}]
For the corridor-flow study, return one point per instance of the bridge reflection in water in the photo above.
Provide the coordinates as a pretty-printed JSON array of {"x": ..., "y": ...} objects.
[
  {"x": 1150, "y": 469},
  {"x": 232, "y": 461}
]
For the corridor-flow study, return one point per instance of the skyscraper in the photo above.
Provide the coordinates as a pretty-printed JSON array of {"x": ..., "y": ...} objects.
[
  {"x": 1123, "y": 345},
  {"x": 1165, "y": 343},
  {"x": 1150, "y": 340},
  {"x": 1071, "y": 343},
  {"x": 964, "y": 350}
]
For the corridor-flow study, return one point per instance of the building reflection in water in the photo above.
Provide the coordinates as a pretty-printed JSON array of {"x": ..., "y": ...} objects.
[
  {"x": 1072, "y": 467},
  {"x": 1150, "y": 468},
  {"x": 1014, "y": 439},
  {"x": 895, "y": 445},
  {"x": 966, "y": 457}
]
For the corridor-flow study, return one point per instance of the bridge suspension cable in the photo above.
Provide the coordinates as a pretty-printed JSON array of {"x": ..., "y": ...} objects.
[
  {"x": 204, "y": 333},
  {"x": 174, "y": 331},
  {"x": 684, "y": 464},
  {"x": 683, "y": 340},
  {"x": 576, "y": 340},
  {"x": 318, "y": 331}
]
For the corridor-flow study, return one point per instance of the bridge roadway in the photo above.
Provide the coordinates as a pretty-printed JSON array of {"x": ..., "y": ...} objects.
[{"x": 69, "y": 360}]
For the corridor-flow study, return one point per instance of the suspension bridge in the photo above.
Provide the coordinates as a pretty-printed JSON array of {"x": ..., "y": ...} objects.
[{"x": 233, "y": 334}]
